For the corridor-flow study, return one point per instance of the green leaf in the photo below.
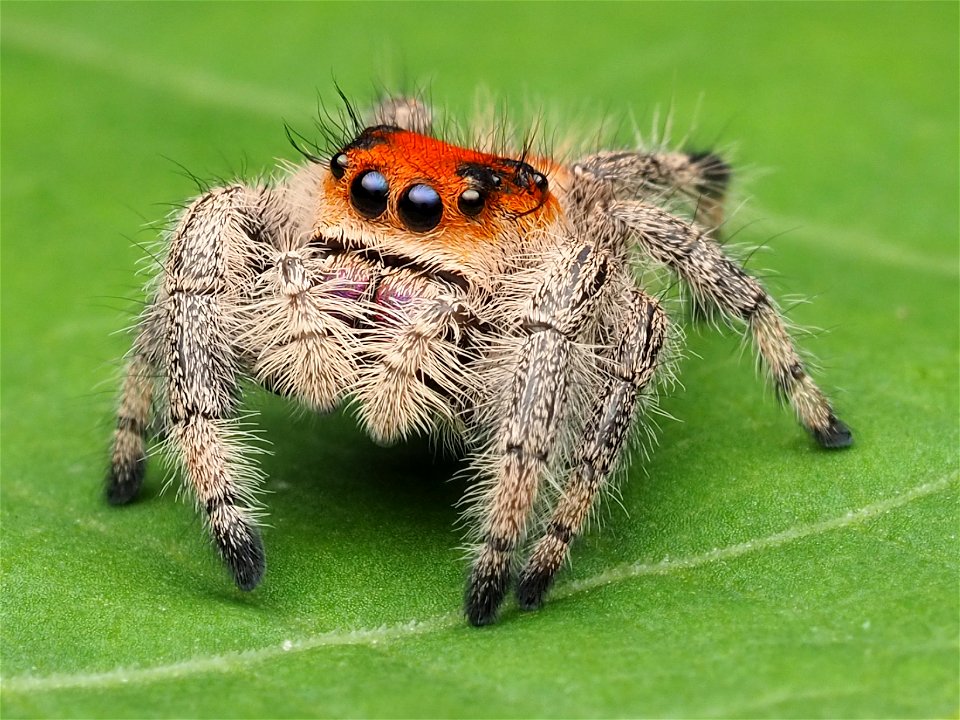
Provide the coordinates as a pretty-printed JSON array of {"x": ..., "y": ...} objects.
[{"x": 747, "y": 573}]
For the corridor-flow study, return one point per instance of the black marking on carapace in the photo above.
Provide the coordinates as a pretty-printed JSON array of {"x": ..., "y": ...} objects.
[
  {"x": 526, "y": 177},
  {"x": 835, "y": 435},
  {"x": 337, "y": 245},
  {"x": 482, "y": 177},
  {"x": 371, "y": 137}
]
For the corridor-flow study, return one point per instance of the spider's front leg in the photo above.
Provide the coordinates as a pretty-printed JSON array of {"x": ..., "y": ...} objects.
[
  {"x": 211, "y": 251},
  {"x": 533, "y": 406},
  {"x": 718, "y": 280},
  {"x": 641, "y": 337}
]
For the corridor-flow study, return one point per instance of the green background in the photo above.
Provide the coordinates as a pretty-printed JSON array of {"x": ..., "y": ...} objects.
[{"x": 746, "y": 574}]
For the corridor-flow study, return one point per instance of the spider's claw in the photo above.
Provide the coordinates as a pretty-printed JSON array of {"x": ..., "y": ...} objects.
[
  {"x": 242, "y": 550},
  {"x": 835, "y": 435},
  {"x": 124, "y": 480},
  {"x": 532, "y": 588}
]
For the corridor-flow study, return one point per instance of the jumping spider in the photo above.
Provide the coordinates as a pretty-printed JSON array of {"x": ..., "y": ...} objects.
[{"x": 440, "y": 289}]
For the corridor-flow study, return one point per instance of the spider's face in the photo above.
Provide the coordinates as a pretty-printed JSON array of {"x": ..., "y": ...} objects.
[{"x": 428, "y": 202}]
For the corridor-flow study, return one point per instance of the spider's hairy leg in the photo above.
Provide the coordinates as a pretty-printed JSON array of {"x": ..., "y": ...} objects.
[
  {"x": 204, "y": 273},
  {"x": 718, "y": 280},
  {"x": 641, "y": 337},
  {"x": 533, "y": 406},
  {"x": 409, "y": 113},
  {"x": 415, "y": 372},
  {"x": 701, "y": 177},
  {"x": 128, "y": 458}
]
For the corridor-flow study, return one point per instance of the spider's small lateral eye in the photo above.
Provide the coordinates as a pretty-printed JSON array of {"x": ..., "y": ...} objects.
[
  {"x": 540, "y": 180},
  {"x": 369, "y": 192},
  {"x": 470, "y": 202},
  {"x": 420, "y": 208},
  {"x": 338, "y": 165}
]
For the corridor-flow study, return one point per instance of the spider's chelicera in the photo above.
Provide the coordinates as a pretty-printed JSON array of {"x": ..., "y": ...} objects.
[{"x": 441, "y": 290}]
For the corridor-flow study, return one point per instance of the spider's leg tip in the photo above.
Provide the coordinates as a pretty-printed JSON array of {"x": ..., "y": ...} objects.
[
  {"x": 243, "y": 553},
  {"x": 532, "y": 588},
  {"x": 124, "y": 481},
  {"x": 836, "y": 435},
  {"x": 484, "y": 596}
]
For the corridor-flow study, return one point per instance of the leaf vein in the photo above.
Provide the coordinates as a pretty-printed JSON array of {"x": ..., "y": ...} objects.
[{"x": 400, "y": 631}]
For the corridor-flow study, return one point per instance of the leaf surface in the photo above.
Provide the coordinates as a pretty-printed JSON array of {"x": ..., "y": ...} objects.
[{"x": 746, "y": 574}]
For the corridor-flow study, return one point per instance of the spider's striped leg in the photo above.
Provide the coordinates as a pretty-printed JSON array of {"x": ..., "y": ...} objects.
[
  {"x": 602, "y": 443},
  {"x": 716, "y": 279},
  {"x": 533, "y": 405},
  {"x": 128, "y": 457},
  {"x": 701, "y": 177},
  {"x": 207, "y": 251}
]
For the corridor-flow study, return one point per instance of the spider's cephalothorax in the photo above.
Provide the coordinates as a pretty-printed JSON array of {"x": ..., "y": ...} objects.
[{"x": 440, "y": 289}]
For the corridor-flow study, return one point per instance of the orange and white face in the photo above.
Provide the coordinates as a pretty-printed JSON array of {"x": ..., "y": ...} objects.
[{"x": 395, "y": 192}]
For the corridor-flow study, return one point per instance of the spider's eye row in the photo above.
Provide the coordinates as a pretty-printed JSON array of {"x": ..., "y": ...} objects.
[
  {"x": 369, "y": 192},
  {"x": 420, "y": 208},
  {"x": 470, "y": 202},
  {"x": 338, "y": 165}
]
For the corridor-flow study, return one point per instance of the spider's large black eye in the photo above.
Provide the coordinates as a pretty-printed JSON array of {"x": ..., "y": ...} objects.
[
  {"x": 338, "y": 165},
  {"x": 420, "y": 208},
  {"x": 369, "y": 192},
  {"x": 470, "y": 202}
]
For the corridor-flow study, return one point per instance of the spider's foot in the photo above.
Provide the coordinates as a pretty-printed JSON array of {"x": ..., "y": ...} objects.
[
  {"x": 124, "y": 480},
  {"x": 485, "y": 591},
  {"x": 714, "y": 171},
  {"x": 242, "y": 550},
  {"x": 532, "y": 587},
  {"x": 835, "y": 435}
]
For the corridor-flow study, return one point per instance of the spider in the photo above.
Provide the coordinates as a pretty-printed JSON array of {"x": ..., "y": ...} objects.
[{"x": 447, "y": 291}]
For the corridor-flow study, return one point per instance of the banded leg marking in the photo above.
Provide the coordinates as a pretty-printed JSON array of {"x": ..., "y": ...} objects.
[
  {"x": 718, "y": 280},
  {"x": 525, "y": 442},
  {"x": 601, "y": 446},
  {"x": 201, "y": 382},
  {"x": 129, "y": 456}
]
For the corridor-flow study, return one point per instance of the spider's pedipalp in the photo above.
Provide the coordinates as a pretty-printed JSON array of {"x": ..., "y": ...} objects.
[
  {"x": 415, "y": 377},
  {"x": 640, "y": 341}
]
